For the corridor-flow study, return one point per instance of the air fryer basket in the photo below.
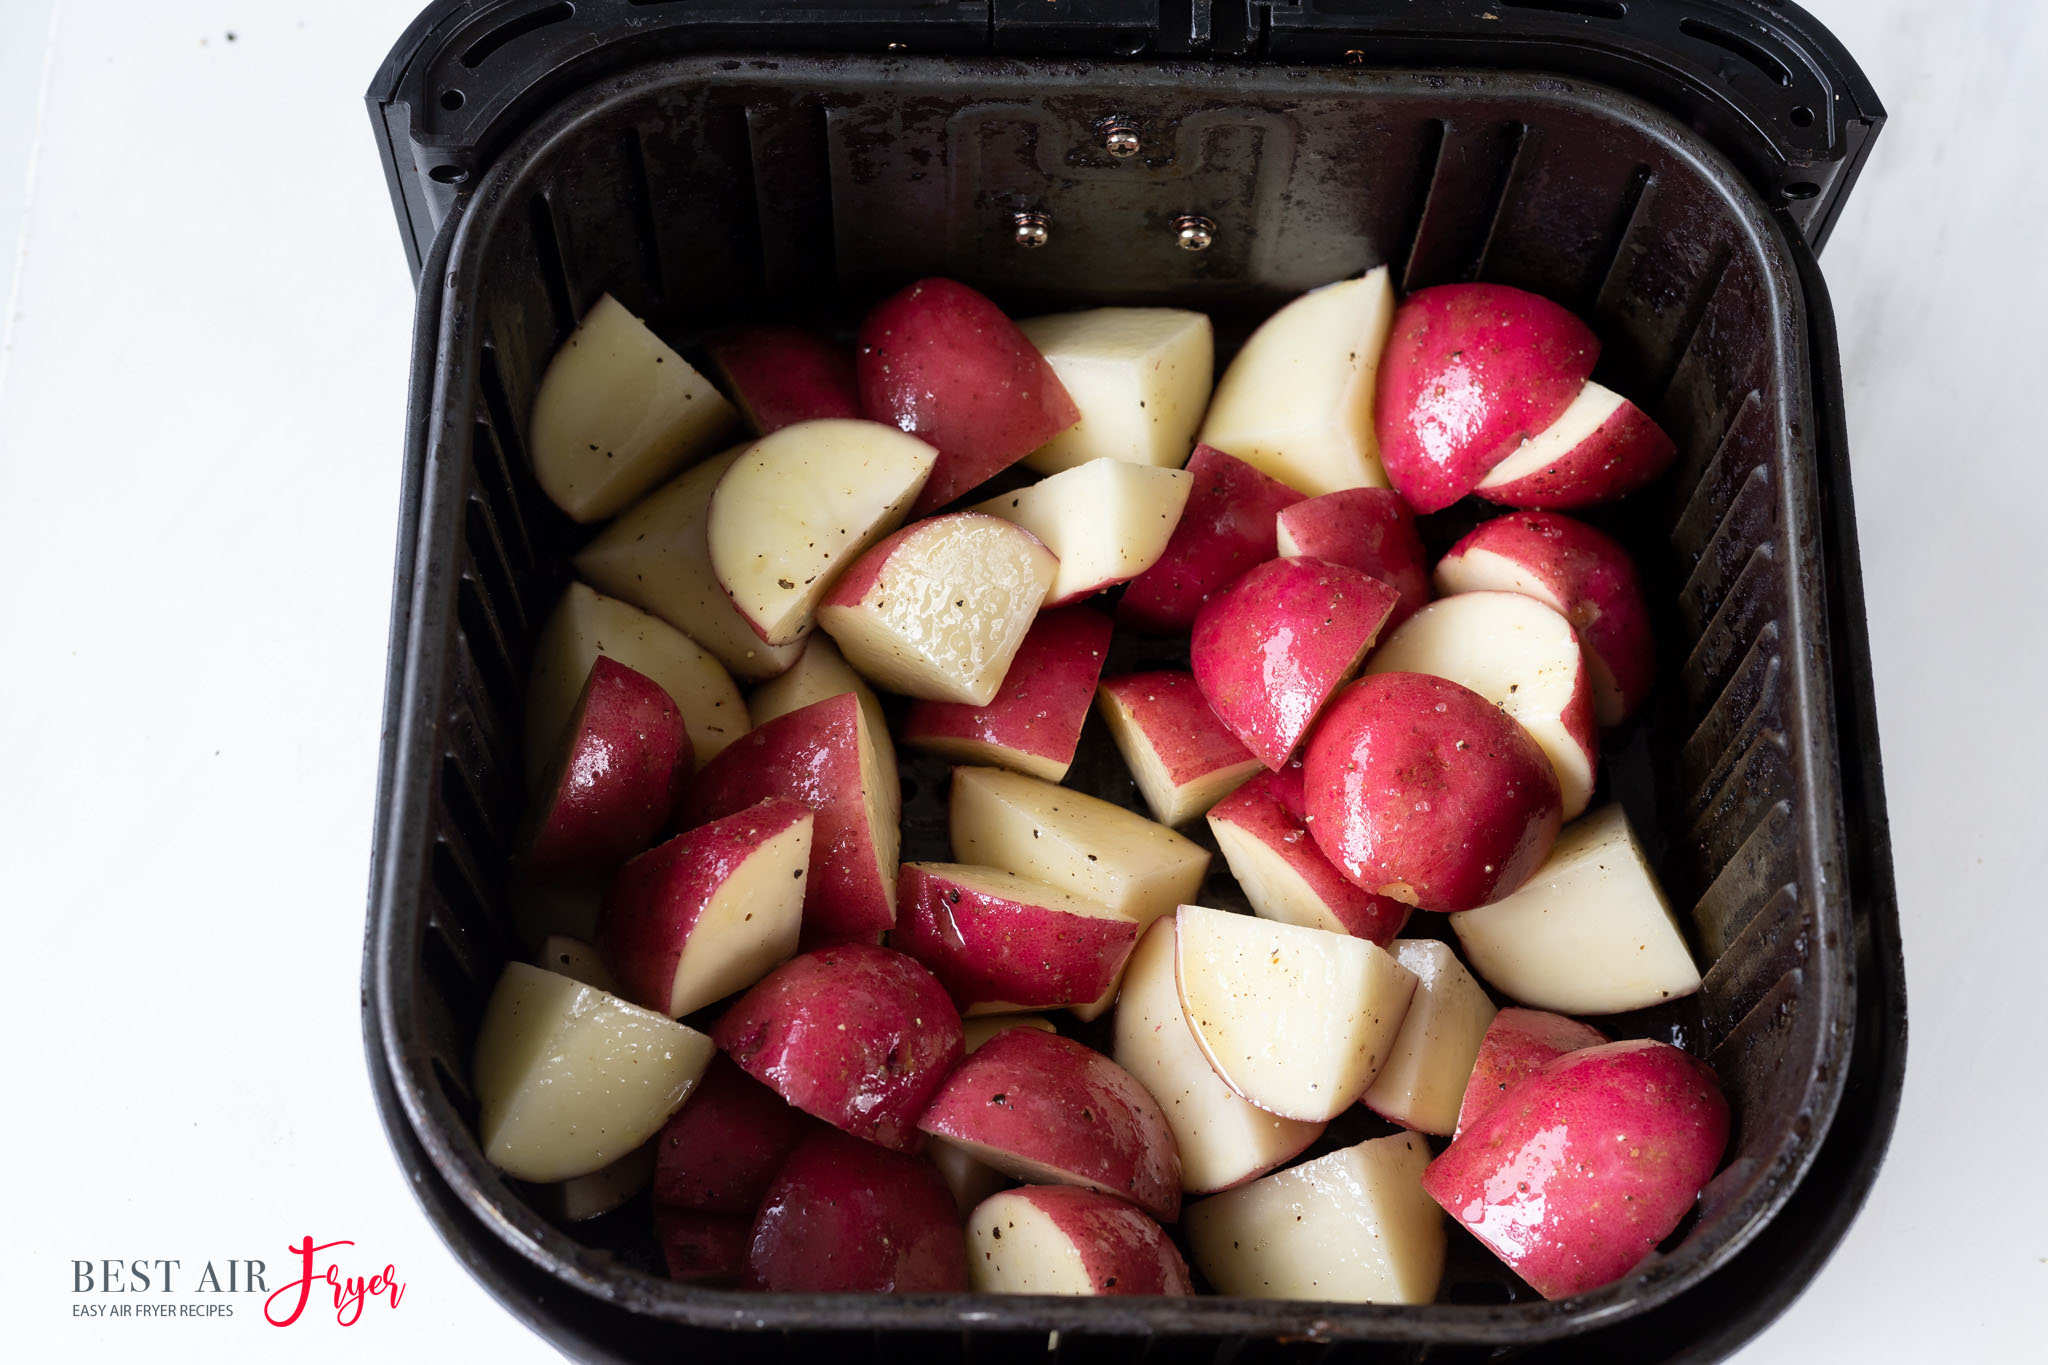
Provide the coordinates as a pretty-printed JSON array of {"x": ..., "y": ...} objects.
[{"x": 710, "y": 188}]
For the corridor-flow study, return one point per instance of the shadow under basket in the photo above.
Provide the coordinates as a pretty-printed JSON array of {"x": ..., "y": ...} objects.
[{"x": 705, "y": 190}]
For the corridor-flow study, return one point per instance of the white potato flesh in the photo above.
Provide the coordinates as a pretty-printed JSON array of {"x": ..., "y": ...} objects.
[
  {"x": 799, "y": 505},
  {"x": 969, "y": 1177},
  {"x": 656, "y": 556},
  {"x": 1098, "y": 851},
  {"x": 1351, "y": 1227},
  {"x": 1272, "y": 885},
  {"x": 1297, "y": 402},
  {"x": 1224, "y": 1139},
  {"x": 1518, "y": 654},
  {"x": 1423, "y": 1082},
  {"x": 577, "y": 960},
  {"x": 596, "y": 1194},
  {"x": 586, "y": 624},
  {"x": 750, "y": 924},
  {"x": 1590, "y": 933},
  {"x": 617, "y": 412},
  {"x": 947, "y": 610},
  {"x": 1297, "y": 1021},
  {"x": 1140, "y": 377},
  {"x": 1015, "y": 1247},
  {"x": 1584, "y": 416},
  {"x": 821, "y": 671},
  {"x": 1171, "y": 803},
  {"x": 570, "y": 1079},
  {"x": 1107, "y": 521}
]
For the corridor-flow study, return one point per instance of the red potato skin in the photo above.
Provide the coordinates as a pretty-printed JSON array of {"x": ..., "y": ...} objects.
[
  {"x": 720, "y": 1150},
  {"x": 1226, "y": 528},
  {"x": 1589, "y": 1163},
  {"x": 1270, "y": 650},
  {"x": 780, "y": 376},
  {"x": 1182, "y": 728},
  {"x": 1272, "y": 808},
  {"x": 1050, "y": 1099},
  {"x": 702, "y": 1248},
  {"x": 856, "y": 1035},
  {"x": 1044, "y": 698},
  {"x": 1470, "y": 372},
  {"x": 653, "y": 904},
  {"x": 625, "y": 761},
  {"x": 844, "y": 1216},
  {"x": 1413, "y": 780},
  {"x": 811, "y": 755},
  {"x": 1624, "y": 453},
  {"x": 988, "y": 949},
  {"x": 1516, "y": 1044},
  {"x": 946, "y": 365},
  {"x": 1122, "y": 1250},
  {"x": 1368, "y": 529},
  {"x": 1593, "y": 582}
]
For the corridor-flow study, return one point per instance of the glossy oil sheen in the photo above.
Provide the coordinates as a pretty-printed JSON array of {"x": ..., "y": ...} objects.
[
  {"x": 1517, "y": 1042},
  {"x": 846, "y": 1216},
  {"x": 1271, "y": 649},
  {"x": 1032, "y": 951},
  {"x": 783, "y": 375},
  {"x": 1584, "y": 1167},
  {"x": 1051, "y": 1100},
  {"x": 1368, "y": 529},
  {"x": 1034, "y": 723},
  {"x": 1226, "y": 528},
  {"x": 1121, "y": 1250},
  {"x": 811, "y": 755},
  {"x": 1470, "y": 372},
  {"x": 626, "y": 759},
  {"x": 1271, "y": 809},
  {"x": 946, "y": 365},
  {"x": 1421, "y": 788},
  {"x": 858, "y": 1035},
  {"x": 720, "y": 1150}
]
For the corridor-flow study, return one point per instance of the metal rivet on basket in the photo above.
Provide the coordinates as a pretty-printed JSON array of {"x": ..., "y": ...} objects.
[
  {"x": 899, "y": 47},
  {"x": 1120, "y": 138},
  {"x": 1193, "y": 232},
  {"x": 1354, "y": 56},
  {"x": 1034, "y": 228}
]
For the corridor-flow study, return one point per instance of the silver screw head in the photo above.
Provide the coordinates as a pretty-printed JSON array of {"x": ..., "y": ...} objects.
[
  {"x": 1192, "y": 232},
  {"x": 1120, "y": 140},
  {"x": 1034, "y": 229}
]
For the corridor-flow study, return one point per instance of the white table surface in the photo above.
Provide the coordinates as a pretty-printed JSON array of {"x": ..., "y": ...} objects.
[{"x": 202, "y": 381}]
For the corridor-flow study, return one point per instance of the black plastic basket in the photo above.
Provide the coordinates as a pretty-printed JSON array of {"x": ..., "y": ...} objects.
[{"x": 1666, "y": 169}]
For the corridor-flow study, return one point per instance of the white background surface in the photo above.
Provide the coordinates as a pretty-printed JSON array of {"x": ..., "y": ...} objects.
[{"x": 201, "y": 397}]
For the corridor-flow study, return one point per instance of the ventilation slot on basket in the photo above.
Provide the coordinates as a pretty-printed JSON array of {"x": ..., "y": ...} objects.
[
  {"x": 1473, "y": 173},
  {"x": 554, "y": 275},
  {"x": 639, "y": 192},
  {"x": 495, "y": 482},
  {"x": 1628, "y": 219},
  {"x": 455, "y": 1092},
  {"x": 492, "y": 568},
  {"x": 790, "y": 152},
  {"x": 1775, "y": 71},
  {"x": 474, "y": 55},
  {"x": 1519, "y": 135},
  {"x": 1777, "y": 940},
  {"x": 479, "y": 829},
  {"x": 1754, "y": 602},
  {"x": 1762, "y": 867},
  {"x": 488, "y": 650},
  {"x": 1749, "y": 699},
  {"x": 1756, "y": 782},
  {"x": 1750, "y": 521},
  {"x": 1742, "y": 451},
  {"x": 1690, "y": 326}
]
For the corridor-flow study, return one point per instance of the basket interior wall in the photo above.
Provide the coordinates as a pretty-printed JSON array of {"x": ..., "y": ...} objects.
[{"x": 712, "y": 190}]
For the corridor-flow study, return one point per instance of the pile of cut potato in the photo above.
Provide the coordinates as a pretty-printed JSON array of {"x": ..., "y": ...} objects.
[{"x": 871, "y": 1091}]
